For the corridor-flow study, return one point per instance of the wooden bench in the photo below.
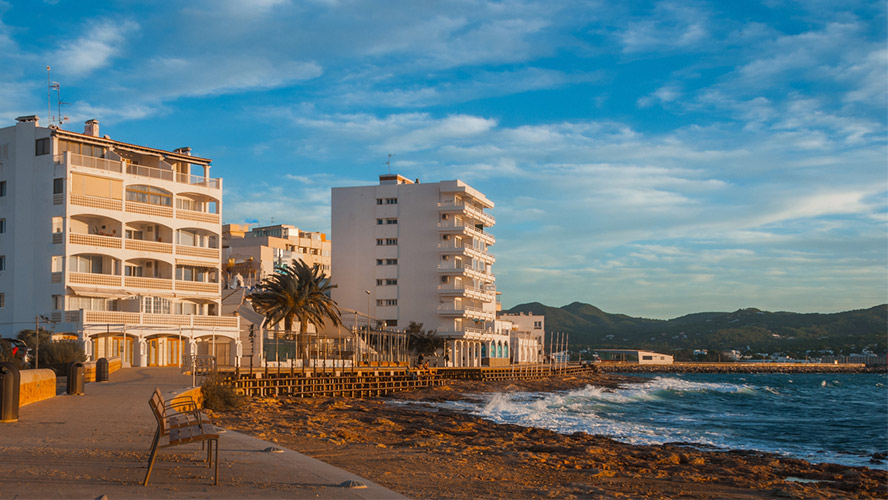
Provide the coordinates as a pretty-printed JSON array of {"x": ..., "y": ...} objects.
[{"x": 180, "y": 421}]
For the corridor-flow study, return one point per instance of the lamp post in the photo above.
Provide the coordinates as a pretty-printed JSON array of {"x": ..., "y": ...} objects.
[{"x": 368, "y": 313}]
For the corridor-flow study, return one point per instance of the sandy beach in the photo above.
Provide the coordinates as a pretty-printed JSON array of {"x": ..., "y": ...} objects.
[{"x": 424, "y": 452}]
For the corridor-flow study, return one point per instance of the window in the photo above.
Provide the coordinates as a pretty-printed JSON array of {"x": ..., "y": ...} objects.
[
  {"x": 82, "y": 149},
  {"x": 391, "y": 221},
  {"x": 2, "y": 300},
  {"x": 380, "y": 221},
  {"x": 130, "y": 270},
  {"x": 42, "y": 147},
  {"x": 58, "y": 185},
  {"x": 2, "y": 225},
  {"x": 2, "y": 188},
  {"x": 386, "y": 282},
  {"x": 149, "y": 194},
  {"x": 58, "y": 302},
  {"x": 380, "y": 262},
  {"x": 386, "y": 302},
  {"x": 647, "y": 358},
  {"x": 391, "y": 322},
  {"x": 391, "y": 262},
  {"x": 57, "y": 224},
  {"x": 386, "y": 241},
  {"x": 386, "y": 201},
  {"x": 57, "y": 263},
  {"x": 2, "y": 262},
  {"x": 537, "y": 325},
  {"x": 90, "y": 185}
]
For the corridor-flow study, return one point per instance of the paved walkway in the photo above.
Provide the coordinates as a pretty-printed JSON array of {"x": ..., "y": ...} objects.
[{"x": 97, "y": 444}]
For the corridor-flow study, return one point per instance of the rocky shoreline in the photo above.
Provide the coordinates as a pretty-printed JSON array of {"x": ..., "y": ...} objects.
[
  {"x": 423, "y": 451},
  {"x": 739, "y": 368}
]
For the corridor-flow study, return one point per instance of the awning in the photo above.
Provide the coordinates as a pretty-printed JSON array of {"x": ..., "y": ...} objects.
[
  {"x": 196, "y": 263},
  {"x": 85, "y": 291}
]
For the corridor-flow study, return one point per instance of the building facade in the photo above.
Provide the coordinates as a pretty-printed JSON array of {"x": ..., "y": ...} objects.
[
  {"x": 112, "y": 243},
  {"x": 526, "y": 336},
  {"x": 408, "y": 251},
  {"x": 254, "y": 253}
]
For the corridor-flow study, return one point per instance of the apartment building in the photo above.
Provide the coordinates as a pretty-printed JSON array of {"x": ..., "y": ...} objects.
[
  {"x": 112, "y": 243},
  {"x": 409, "y": 251},
  {"x": 254, "y": 253}
]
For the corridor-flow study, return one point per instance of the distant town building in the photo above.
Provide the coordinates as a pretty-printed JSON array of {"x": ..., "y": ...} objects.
[
  {"x": 112, "y": 243},
  {"x": 408, "y": 251},
  {"x": 526, "y": 336},
  {"x": 634, "y": 356},
  {"x": 251, "y": 254}
]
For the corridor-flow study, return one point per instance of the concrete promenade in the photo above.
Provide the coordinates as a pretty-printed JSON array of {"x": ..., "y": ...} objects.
[{"x": 97, "y": 444}]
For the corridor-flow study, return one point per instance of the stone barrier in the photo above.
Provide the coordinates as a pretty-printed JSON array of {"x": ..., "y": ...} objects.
[
  {"x": 114, "y": 364},
  {"x": 36, "y": 385}
]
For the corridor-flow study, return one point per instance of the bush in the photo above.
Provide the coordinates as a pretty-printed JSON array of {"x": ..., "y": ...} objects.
[
  {"x": 218, "y": 395},
  {"x": 56, "y": 355},
  {"x": 6, "y": 356}
]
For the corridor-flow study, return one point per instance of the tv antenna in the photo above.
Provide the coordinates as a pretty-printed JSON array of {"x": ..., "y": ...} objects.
[
  {"x": 388, "y": 163},
  {"x": 50, "y": 86}
]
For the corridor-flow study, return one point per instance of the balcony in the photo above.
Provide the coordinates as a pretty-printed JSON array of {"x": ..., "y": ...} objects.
[
  {"x": 137, "y": 207},
  {"x": 482, "y": 294},
  {"x": 149, "y": 246},
  {"x": 119, "y": 167},
  {"x": 206, "y": 253},
  {"x": 94, "y": 279},
  {"x": 460, "y": 227},
  {"x": 136, "y": 319},
  {"x": 148, "y": 283},
  {"x": 94, "y": 240},
  {"x": 83, "y": 200},
  {"x": 197, "y": 286},
  {"x": 466, "y": 249},
  {"x": 197, "y": 216},
  {"x": 469, "y": 210}
]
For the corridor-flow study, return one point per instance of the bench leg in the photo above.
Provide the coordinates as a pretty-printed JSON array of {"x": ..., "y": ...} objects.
[
  {"x": 209, "y": 459},
  {"x": 216, "y": 463},
  {"x": 150, "y": 462}
]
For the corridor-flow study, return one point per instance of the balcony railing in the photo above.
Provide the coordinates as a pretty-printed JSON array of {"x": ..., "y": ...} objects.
[
  {"x": 149, "y": 246},
  {"x": 94, "y": 240},
  {"x": 197, "y": 286},
  {"x": 149, "y": 283},
  {"x": 96, "y": 202},
  {"x": 207, "y": 253},
  {"x": 94, "y": 279},
  {"x": 477, "y": 213}
]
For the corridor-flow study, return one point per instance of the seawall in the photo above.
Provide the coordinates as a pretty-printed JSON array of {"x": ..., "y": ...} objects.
[{"x": 740, "y": 368}]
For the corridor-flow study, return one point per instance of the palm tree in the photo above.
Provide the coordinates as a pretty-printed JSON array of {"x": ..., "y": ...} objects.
[{"x": 297, "y": 292}]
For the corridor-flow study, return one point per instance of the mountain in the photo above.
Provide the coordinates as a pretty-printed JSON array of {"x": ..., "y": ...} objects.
[{"x": 744, "y": 329}]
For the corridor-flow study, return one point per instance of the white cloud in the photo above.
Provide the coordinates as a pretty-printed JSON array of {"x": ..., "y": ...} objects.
[{"x": 101, "y": 42}]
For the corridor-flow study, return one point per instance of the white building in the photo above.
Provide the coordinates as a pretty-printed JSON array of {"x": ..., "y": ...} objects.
[
  {"x": 116, "y": 244},
  {"x": 408, "y": 251},
  {"x": 526, "y": 336},
  {"x": 255, "y": 253}
]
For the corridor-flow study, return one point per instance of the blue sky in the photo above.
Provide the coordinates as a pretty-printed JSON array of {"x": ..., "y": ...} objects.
[{"x": 651, "y": 158}]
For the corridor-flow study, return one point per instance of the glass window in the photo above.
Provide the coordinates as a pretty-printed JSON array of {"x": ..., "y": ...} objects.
[
  {"x": 58, "y": 186},
  {"x": 2, "y": 262},
  {"x": 42, "y": 147},
  {"x": 2, "y": 225},
  {"x": 2, "y": 300},
  {"x": 2, "y": 188},
  {"x": 57, "y": 224},
  {"x": 57, "y": 263}
]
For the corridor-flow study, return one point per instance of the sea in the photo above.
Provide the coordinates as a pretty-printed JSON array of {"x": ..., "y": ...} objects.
[{"x": 835, "y": 418}]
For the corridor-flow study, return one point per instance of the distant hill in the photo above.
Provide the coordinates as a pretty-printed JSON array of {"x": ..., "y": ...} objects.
[{"x": 745, "y": 329}]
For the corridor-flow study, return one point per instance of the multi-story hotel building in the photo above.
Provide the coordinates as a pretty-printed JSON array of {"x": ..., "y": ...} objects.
[
  {"x": 527, "y": 336},
  {"x": 116, "y": 244},
  {"x": 254, "y": 253},
  {"x": 408, "y": 251}
]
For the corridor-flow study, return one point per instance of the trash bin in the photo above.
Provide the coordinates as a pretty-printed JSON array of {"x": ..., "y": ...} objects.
[
  {"x": 75, "y": 378},
  {"x": 102, "y": 370},
  {"x": 9, "y": 392}
]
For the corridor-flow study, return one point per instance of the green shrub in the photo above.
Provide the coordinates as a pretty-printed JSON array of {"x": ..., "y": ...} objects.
[{"x": 218, "y": 395}]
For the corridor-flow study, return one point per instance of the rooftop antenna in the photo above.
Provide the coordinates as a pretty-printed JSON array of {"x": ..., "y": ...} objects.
[
  {"x": 388, "y": 163},
  {"x": 50, "y": 86}
]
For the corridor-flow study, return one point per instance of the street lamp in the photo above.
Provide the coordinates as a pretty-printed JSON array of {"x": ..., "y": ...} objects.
[{"x": 368, "y": 314}]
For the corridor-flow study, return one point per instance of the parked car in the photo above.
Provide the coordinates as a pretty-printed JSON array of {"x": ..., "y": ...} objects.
[{"x": 19, "y": 349}]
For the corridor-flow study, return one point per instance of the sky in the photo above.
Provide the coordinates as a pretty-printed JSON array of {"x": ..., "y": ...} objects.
[{"x": 651, "y": 158}]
